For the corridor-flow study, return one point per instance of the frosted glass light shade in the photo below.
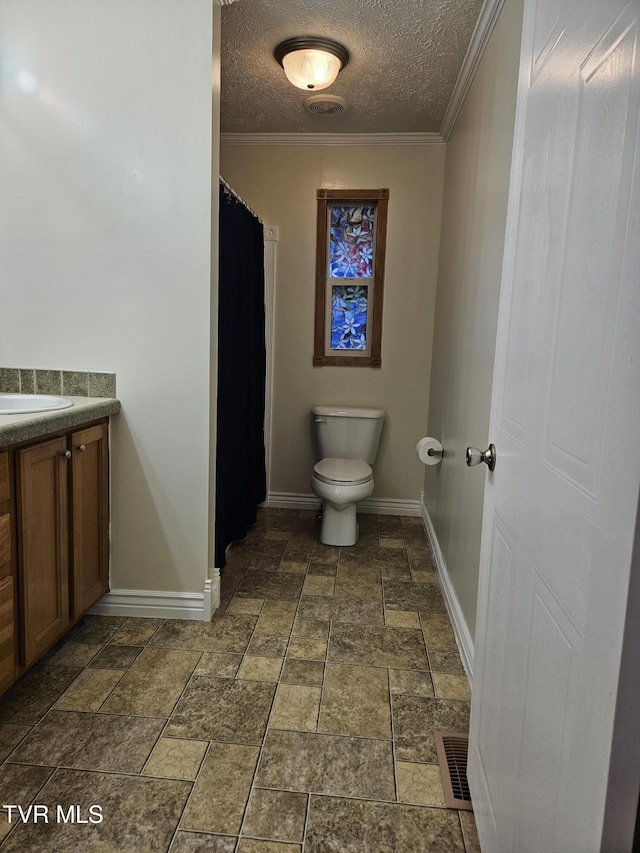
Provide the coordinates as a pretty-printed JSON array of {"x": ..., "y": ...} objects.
[{"x": 311, "y": 69}]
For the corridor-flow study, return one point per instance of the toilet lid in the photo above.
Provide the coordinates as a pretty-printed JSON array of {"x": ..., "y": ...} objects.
[{"x": 352, "y": 471}]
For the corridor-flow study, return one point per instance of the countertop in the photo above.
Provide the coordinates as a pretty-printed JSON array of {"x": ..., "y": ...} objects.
[{"x": 15, "y": 429}]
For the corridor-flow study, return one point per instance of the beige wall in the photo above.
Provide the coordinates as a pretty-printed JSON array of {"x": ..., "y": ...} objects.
[
  {"x": 105, "y": 233},
  {"x": 473, "y": 223},
  {"x": 280, "y": 183}
]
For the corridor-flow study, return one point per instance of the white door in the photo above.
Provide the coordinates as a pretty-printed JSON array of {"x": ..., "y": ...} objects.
[{"x": 560, "y": 507}]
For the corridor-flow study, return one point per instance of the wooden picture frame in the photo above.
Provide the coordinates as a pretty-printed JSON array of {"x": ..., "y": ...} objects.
[{"x": 323, "y": 354}]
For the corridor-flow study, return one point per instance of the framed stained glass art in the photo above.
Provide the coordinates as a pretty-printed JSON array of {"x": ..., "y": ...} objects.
[
  {"x": 350, "y": 277},
  {"x": 349, "y": 317},
  {"x": 351, "y": 241}
]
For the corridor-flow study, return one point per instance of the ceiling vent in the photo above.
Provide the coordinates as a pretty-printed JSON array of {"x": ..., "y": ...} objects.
[{"x": 326, "y": 105}]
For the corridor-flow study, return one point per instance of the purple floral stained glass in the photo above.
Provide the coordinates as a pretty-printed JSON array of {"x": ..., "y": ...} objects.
[
  {"x": 351, "y": 244},
  {"x": 348, "y": 317}
]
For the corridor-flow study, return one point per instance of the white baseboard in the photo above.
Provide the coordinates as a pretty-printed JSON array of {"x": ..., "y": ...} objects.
[
  {"x": 159, "y": 604},
  {"x": 211, "y": 595},
  {"x": 380, "y": 506},
  {"x": 460, "y": 628}
]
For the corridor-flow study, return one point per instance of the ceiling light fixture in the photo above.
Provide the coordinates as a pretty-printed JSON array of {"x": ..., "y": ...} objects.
[{"x": 311, "y": 63}]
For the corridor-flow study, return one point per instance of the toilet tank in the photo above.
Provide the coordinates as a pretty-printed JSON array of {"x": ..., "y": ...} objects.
[{"x": 345, "y": 432}]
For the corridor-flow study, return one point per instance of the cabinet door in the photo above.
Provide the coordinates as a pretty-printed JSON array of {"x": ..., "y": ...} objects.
[
  {"x": 7, "y": 642},
  {"x": 6, "y": 568},
  {"x": 90, "y": 516},
  {"x": 43, "y": 544},
  {"x": 7, "y": 659}
]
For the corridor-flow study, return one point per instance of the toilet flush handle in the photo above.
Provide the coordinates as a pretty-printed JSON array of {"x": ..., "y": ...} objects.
[{"x": 320, "y": 420}]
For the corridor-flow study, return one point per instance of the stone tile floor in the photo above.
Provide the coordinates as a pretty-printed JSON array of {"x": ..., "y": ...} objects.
[{"x": 299, "y": 719}]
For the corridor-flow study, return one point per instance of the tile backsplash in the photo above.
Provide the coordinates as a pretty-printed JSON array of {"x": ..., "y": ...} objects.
[{"x": 18, "y": 380}]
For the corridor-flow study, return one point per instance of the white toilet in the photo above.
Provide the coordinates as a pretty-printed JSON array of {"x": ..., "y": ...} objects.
[{"x": 346, "y": 442}]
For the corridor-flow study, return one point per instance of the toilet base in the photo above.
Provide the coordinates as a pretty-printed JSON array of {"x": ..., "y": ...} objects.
[{"x": 338, "y": 526}]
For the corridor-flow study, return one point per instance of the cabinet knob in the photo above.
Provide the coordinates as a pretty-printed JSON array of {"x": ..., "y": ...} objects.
[
  {"x": 81, "y": 448},
  {"x": 66, "y": 454}
]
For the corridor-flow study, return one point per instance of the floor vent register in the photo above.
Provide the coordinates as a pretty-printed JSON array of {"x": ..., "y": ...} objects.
[{"x": 452, "y": 757}]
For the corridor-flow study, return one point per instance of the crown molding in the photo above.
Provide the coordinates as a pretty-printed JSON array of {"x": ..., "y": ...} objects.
[
  {"x": 331, "y": 139},
  {"x": 479, "y": 40}
]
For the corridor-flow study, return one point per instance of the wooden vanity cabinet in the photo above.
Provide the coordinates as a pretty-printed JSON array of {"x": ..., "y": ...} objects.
[
  {"x": 90, "y": 517},
  {"x": 62, "y": 499},
  {"x": 7, "y": 586},
  {"x": 43, "y": 495}
]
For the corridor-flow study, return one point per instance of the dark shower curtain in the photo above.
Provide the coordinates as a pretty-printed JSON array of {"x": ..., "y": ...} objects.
[{"x": 241, "y": 481}]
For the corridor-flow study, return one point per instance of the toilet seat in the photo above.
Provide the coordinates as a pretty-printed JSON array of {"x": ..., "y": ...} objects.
[{"x": 342, "y": 471}]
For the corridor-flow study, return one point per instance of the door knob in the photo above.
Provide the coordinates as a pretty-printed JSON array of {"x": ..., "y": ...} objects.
[
  {"x": 476, "y": 457},
  {"x": 66, "y": 454},
  {"x": 81, "y": 448}
]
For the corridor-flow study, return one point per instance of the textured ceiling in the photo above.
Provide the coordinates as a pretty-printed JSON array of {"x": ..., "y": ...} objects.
[{"x": 405, "y": 59}]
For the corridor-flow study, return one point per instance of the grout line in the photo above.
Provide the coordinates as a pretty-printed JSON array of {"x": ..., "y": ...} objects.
[
  {"x": 36, "y": 794},
  {"x": 393, "y": 740},
  {"x": 207, "y": 833},
  {"x": 253, "y": 786},
  {"x": 7, "y": 759},
  {"x": 175, "y": 705},
  {"x": 426, "y": 645},
  {"x": 324, "y": 676},
  {"x": 464, "y": 840},
  {"x": 306, "y": 822},
  {"x": 192, "y": 782},
  {"x": 188, "y": 800},
  {"x": 424, "y": 639},
  {"x": 290, "y": 637},
  {"x": 208, "y": 749},
  {"x": 105, "y": 772},
  {"x": 393, "y": 731}
]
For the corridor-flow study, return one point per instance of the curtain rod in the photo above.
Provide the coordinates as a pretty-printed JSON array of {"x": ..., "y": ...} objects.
[{"x": 232, "y": 192}]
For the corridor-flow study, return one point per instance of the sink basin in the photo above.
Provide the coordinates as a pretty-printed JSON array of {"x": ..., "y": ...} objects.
[{"x": 22, "y": 404}]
